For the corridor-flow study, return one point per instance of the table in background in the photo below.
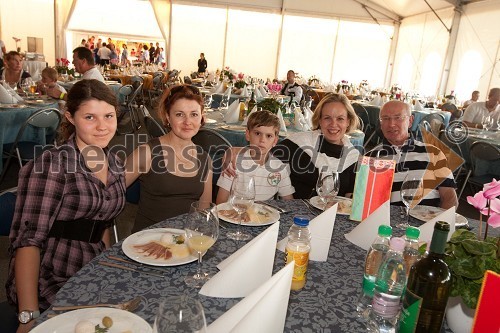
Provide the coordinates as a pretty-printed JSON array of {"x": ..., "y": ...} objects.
[
  {"x": 32, "y": 66},
  {"x": 482, "y": 167},
  {"x": 326, "y": 303},
  {"x": 11, "y": 120},
  {"x": 127, "y": 79},
  {"x": 114, "y": 85}
]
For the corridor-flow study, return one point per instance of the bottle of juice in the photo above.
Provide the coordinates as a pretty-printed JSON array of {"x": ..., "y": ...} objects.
[{"x": 298, "y": 248}]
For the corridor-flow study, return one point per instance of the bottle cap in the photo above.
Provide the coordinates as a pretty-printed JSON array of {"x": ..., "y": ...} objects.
[
  {"x": 301, "y": 221},
  {"x": 441, "y": 225},
  {"x": 384, "y": 230},
  {"x": 412, "y": 232},
  {"x": 397, "y": 244}
]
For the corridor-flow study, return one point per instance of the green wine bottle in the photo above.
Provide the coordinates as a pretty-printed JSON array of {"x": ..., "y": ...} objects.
[{"x": 428, "y": 288}]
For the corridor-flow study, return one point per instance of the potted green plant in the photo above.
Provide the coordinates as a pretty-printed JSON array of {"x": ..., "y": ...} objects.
[
  {"x": 270, "y": 104},
  {"x": 469, "y": 256}
]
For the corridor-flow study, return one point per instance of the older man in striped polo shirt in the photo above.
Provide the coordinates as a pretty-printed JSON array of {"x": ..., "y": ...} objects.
[{"x": 414, "y": 157}]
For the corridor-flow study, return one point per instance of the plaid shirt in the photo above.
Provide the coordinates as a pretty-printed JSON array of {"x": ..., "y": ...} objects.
[{"x": 59, "y": 186}]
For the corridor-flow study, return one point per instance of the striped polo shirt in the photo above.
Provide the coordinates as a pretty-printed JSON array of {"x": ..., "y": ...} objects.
[{"x": 417, "y": 159}]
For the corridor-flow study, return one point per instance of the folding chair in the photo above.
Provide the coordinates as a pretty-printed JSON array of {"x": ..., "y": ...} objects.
[
  {"x": 47, "y": 120},
  {"x": 130, "y": 108},
  {"x": 7, "y": 206},
  {"x": 154, "y": 128}
]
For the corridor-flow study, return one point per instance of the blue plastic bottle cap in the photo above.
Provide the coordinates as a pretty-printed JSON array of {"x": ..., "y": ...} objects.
[{"x": 301, "y": 221}]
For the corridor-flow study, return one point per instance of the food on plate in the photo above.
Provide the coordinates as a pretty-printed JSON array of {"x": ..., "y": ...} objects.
[
  {"x": 85, "y": 326},
  {"x": 169, "y": 245},
  {"x": 107, "y": 322},
  {"x": 255, "y": 214},
  {"x": 344, "y": 206}
]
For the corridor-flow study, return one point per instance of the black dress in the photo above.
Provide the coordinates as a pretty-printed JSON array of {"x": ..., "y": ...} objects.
[
  {"x": 202, "y": 65},
  {"x": 303, "y": 172}
]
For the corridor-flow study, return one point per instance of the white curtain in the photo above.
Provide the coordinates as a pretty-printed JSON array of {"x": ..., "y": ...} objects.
[
  {"x": 161, "y": 9},
  {"x": 63, "y": 12}
]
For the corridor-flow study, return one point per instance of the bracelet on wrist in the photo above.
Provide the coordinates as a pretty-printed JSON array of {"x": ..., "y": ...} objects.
[{"x": 62, "y": 95}]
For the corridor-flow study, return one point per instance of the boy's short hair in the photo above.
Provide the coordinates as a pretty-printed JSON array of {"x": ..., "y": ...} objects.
[
  {"x": 50, "y": 72},
  {"x": 263, "y": 118}
]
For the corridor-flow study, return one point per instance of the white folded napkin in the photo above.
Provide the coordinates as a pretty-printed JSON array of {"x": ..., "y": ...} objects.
[
  {"x": 263, "y": 91},
  {"x": 427, "y": 229},
  {"x": 211, "y": 76},
  {"x": 308, "y": 115},
  {"x": 233, "y": 113},
  {"x": 321, "y": 228},
  {"x": 244, "y": 92},
  {"x": 418, "y": 106},
  {"x": 376, "y": 100},
  {"x": 227, "y": 92},
  {"x": 8, "y": 95},
  {"x": 299, "y": 122},
  {"x": 218, "y": 88},
  {"x": 364, "y": 234},
  {"x": 246, "y": 269},
  {"x": 244, "y": 122},
  {"x": 257, "y": 93},
  {"x": 282, "y": 121},
  {"x": 264, "y": 310}
]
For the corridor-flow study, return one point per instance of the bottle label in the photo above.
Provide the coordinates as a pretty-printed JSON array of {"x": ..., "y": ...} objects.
[
  {"x": 386, "y": 306},
  {"x": 410, "y": 312},
  {"x": 301, "y": 261}
]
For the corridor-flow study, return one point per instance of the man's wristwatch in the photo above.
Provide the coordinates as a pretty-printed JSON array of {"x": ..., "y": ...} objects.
[{"x": 26, "y": 316}]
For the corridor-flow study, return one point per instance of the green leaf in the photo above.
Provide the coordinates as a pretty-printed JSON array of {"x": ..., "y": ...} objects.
[
  {"x": 470, "y": 294},
  {"x": 461, "y": 234},
  {"x": 468, "y": 268},
  {"x": 474, "y": 246}
]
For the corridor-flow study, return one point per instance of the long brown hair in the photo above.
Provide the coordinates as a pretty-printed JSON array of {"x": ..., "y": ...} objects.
[{"x": 81, "y": 92}]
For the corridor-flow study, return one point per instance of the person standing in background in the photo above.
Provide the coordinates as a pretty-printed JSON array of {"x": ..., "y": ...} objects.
[
  {"x": 124, "y": 59},
  {"x": 3, "y": 51},
  {"x": 202, "y": 64},
  {"x": 157, "y": 53},
  {"x": 152, "y": 52}
]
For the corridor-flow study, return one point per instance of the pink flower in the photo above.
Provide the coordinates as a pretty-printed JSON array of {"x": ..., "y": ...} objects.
[
  {"x": 495, "y": 205},
  {"x": 241, "y": 75},
  {"x": 494, "y": 220},
  {"x": 492, "y": 190},
  {"x": 478, "y": 201}
]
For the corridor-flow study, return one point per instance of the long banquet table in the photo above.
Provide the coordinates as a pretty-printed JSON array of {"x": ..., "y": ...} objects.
[
  {"x": 327, "y": 303},
  {"x": 11, "y": 120}
]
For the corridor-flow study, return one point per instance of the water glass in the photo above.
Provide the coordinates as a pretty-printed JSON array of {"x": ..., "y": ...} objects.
[
  {"x": 327, "y": 186},
  {"x": 412, "y": 192},
  {"x": 241, "y": 197},
  {"x": 180, "y": 314}
]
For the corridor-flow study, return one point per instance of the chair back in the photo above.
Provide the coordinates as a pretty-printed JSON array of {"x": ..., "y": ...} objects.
[
  {"x": 153, "y": 128},
  {"x": 134, "y": 97},
  {"x": 125, "y": 92},
  {"x": 361, "y": 124},
  {"x": 7, "y": 206},
  {"x": 483, "y": 151},
  {"x": 48, "y": 119}
]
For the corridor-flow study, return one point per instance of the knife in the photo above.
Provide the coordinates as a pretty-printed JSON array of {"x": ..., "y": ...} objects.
[
  {"x": 279, "y": 209},
  {"x": 109, "y": 264},
  {"x": 315, "y": 211},
  {"x": 130, "y": 262}
]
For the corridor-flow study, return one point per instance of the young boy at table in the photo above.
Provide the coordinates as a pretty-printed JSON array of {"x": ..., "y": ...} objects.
[{"x": 270, "y": 174}]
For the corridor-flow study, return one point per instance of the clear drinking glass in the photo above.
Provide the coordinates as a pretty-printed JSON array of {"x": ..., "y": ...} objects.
[
  {"x": 180, "y": 314},
  {"x": 412, "y": 192},
  {"x": 241, "y": 197},
  {"x": 202, "y": 230},
  {"x": 207, "y": 101},
  {"x": 327, "y": 186}
]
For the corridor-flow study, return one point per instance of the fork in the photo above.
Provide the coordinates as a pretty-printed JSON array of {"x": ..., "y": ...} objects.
[
  {"x": 128, "y": 306},
  {"x": 279, "y": 209}
]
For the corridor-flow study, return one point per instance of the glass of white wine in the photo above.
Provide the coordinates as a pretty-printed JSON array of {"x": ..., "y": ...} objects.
[
  {"x": 327, "y": 187},
  {"x": 241, "y": 197},
  {"x": 412, "y": 192},
  {"x": 202, "y": 230},
  {"x": 180, "y": 313}
]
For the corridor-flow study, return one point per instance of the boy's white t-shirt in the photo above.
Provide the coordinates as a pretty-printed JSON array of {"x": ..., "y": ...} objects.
[{"x": 271, "y": 178}]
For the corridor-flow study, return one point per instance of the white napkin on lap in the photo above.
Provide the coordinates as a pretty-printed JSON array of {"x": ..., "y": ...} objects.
[
  {"x": 246, "y": 269},
  {"x": 282, "y": 121},
  {"x": 321, "y": 228},
  {"x": 364, "y": 234},
  {"x": 264, "y": 310},
  {"x": 427, "y": 229},
  {"x": 244, "y": 122},
  {"x": 233, "y": 113}
]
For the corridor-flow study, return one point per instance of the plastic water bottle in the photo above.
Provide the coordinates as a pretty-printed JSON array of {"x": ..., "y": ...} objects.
[
  {"x": 389, "y": 287},
  {"x": 411, "y": 254},
  {"x": 374, "y": 258},
  {"x": 298, "y": 248}
]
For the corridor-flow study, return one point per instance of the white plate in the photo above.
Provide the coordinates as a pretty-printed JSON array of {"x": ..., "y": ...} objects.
[
  {"x": 210, "y": 121},
  {"x": 427, "y": 213},
  {"x": 273, "y": 217},
  {"x": 236, "y": 128},
  {"x": 344, "y": 209},
  {"x": 123, "y": 321},
  {"x": 12, "y": 106},
  {"x": 146, "y": 236}
]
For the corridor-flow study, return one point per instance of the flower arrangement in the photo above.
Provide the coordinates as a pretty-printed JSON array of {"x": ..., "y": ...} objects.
[
  {"x": 240, "y": 82},
  {"x": 227, "y": 73},
  {"x": 62, "y": 65},
  {"x": 467, "y": 256},
  {"x": 270, "y": 104},
  {"x": 274, "y": 88},
  {"x": 313, "y": 81}
]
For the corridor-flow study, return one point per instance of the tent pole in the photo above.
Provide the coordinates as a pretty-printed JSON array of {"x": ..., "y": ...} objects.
[
  {"x": 280, "y": 38},
  {"x": 225, "y": 39},
  {"x": 169, "y": 45},
  {"x": 389, "y": 70},
  {"x": 448, "y": 59}
]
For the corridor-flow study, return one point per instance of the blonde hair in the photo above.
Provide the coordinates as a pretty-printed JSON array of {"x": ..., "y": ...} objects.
[
  {"x": 339, "y": 98},
  {"x": 50, "y": 72}
]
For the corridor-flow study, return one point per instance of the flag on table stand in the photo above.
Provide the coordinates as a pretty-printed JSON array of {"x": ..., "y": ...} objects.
[
  {"x": 486, "y": 319},
  {"x": 372, "y": 186}
]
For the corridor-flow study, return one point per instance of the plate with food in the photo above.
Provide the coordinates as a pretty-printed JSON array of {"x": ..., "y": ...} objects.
[
  {"x": 256, "y": 216},
  {"x": 344, "y": 207},
  {"x": 427, "y": 213},
  {"x": 236, "y": 128},
  {"x": 12, "y": 106},
  {"x": 158, "y": 247},
  {"x": 109, "y": 320}
]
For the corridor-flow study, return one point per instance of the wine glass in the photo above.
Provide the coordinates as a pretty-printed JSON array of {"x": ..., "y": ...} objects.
[
  {"x": 25, "y": 86},
  {"x": 241, "y": 197},
  {"x": 412, "y": 191},
  {"x": 207, "y": 101},
  {"x": 180, "y": 314},
  {"x": 327, "y": 186},
  {"x": 202, "y": 230}
]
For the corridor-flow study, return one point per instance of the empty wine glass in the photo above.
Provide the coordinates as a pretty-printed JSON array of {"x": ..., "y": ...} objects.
[
  {"x": 327, "y": 186},
  {"x": 202, "y": 230},
  {"x": 207, "y": 101},
  {"x": 412, "y": 192},
  {"x": 241, "y": 197},
  {"x": 182, "y": 314}
]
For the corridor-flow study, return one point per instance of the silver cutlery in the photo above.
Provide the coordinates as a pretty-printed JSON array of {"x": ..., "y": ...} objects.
[
  {"x": 315, "y": 211},
  {"x": 279, "y": 209},
  {"x": 130, "y": 262},
  {"x": 128, "y": 306},
  {"x": 110, "y": 264}
]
